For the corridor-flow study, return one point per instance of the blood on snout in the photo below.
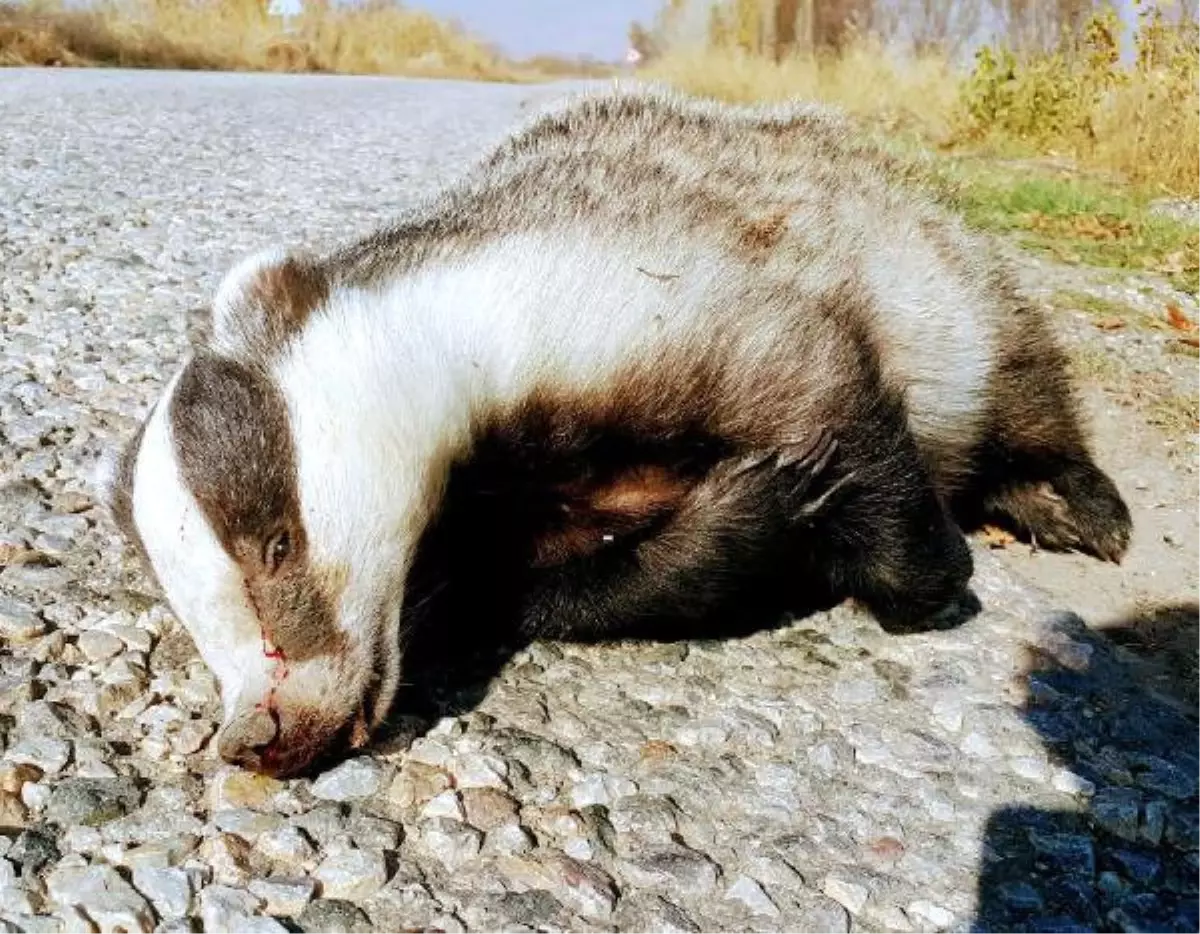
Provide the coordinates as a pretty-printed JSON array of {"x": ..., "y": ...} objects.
[{"x": 245, "y": 740}]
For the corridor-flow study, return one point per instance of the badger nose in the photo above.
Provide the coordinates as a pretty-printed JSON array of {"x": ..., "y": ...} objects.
[{"x": 244, "y": 741}]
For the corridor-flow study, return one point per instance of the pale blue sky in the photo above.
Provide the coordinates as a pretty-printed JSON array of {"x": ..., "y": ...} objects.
[{"x": 526, "y": 27}]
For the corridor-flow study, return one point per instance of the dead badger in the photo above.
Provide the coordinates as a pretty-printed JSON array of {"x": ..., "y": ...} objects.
[{"x": 651, "y": 352}]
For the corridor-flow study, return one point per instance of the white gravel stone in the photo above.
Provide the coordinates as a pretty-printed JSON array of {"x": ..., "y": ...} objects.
[
  {"x": 852, "y": 896},
  {"x": 751, "y": 894},
  {"x": 475, "y": 770},
  {"x": 453, "y": 844},
  {"x": 47, "y": 753},
  {"x": 111, "y": 902},
  {"x": 508, "y": 840},
  {"x": 99, "y": 646},
  {"x": 284, "y": 895},
  {"x": 353, "y": 779},
  {"x": 1068, "y": 782},
  {"x": 286, "y": 845},
  {"x": 354, "y": 875},
  {"x": 447, "y": 804},
  {"x": 229, "y": 909},
  {"x": 931, "y": 914},
  {"x": 19, "y": 622},
  {"x": 169, "y": 890}
]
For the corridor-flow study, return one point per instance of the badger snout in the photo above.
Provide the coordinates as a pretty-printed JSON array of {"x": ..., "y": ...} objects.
[
  {"x": 249, "y": 740},
  {"x": 286, "y": 743}
]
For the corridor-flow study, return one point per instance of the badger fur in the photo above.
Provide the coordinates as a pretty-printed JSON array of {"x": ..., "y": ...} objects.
[{"x": 649, "y": 355}]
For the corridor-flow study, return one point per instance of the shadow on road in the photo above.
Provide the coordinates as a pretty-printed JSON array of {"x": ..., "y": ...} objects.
[{"x": 1117, "y": 709}]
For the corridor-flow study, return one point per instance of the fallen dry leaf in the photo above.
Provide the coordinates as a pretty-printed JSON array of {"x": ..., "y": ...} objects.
[
  {"x": 888, "y": 848},
  {"x": 1191, "y": 341},
  {"x": 657, "y": 750},
  {"x": 1178, "y": 320},
  {"x": 995, "y": 537}
]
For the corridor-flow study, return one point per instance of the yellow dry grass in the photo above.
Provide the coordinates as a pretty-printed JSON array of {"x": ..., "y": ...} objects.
[
  {"x": 377, "y": 37},
  {"x": 865, "y": 79},
  {"x": 1081, "y": 102}
]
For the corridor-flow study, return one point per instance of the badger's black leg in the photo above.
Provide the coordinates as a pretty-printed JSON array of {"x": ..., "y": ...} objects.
[
  {"x": 861, "y": 516},
  {"x": 727, "y": 533},
  {"x": 1034, "y": 472},
  {"x": 890, "y": 542},
  {"x": 1060, "y": 501}
]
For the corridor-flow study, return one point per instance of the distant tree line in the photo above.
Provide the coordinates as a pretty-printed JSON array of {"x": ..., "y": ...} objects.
[{"x": 778, "y": 28}]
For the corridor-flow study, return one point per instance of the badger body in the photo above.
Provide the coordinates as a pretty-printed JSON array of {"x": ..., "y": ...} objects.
[{"x": 648, "y": 355}]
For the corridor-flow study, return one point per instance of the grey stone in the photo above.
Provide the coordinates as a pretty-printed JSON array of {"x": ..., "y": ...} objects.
[
  {"x": 1116, "y": 810},
  {"x": 453, "y": 844},
  {"x": 288, "y": 845},
  {"x": 652, "y": 913},
  {"x": 47, "y": 753},
  {"x": 1182, "y": 829},
  {"x": 32, "y": 850},
  {"x": 1071, "y": 854},
  {"x": 91, "y": 802},
  {"x": 374, "y": 833},
  {"x": 99, "y": 646},
  {"x": 751, "y": 894},
  {"x": 585, "y": 889},
  {"x": 333, "y": 916}
]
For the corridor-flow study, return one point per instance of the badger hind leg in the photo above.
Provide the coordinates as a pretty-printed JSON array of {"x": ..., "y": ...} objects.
[
  {"x": 711, "y": 557},
  {"x": 814, "y": 521},
  {"x": 888, "y": 540},
  {"x": 1062, "y": 503},
  {"x": 1034, "y": 473}
]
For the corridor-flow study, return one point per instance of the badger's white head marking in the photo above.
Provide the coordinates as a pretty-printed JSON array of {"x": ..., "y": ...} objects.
[{"x": 210, "y": 492}]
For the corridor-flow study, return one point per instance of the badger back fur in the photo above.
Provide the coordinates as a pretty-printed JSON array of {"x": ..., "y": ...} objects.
[{"x": 649, "y": 355}]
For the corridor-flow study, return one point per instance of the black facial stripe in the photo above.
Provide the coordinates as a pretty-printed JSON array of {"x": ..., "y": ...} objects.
[{"x": 234, "y": 448}]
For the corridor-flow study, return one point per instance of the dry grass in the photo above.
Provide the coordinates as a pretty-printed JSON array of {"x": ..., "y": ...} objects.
[
  {"x": 898, "y": 92},
  {"x": 377, "y": 37},
  {"x": 1077, "y": 102}
]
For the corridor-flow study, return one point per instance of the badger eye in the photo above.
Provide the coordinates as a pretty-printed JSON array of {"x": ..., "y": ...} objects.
[{"x": 276, "y": 551}]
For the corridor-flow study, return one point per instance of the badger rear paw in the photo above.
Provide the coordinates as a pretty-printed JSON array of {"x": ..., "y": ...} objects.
[
  {"x": 1078, "y": 508},
  {"x": 795, "y": 477}
]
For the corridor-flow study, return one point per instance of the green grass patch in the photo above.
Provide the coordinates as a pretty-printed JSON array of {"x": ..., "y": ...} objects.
[
  {"x": 1094, "y": 305},
  {"x": 1075, "y": 220},
  {"x": 1096, "y": 365}
]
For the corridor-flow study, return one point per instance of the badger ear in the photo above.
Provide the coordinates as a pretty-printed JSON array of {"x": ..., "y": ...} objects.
[{"x": 264, "y": 301}]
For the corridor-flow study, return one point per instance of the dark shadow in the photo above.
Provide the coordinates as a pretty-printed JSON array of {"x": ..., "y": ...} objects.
[
  {"x": 462, "y": 618},
  {"x": 1117, "y": 708},
  {"x": 462, "y": 615}
]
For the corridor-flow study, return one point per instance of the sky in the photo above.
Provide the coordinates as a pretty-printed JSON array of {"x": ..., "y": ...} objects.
[{"x": 597, "y": 28}]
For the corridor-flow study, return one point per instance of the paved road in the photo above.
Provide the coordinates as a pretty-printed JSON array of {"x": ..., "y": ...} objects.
[{"x": 1018, "y": 772}]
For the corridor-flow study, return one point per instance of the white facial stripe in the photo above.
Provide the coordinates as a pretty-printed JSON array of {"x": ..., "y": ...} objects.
[{"x": 203, "y": 584}]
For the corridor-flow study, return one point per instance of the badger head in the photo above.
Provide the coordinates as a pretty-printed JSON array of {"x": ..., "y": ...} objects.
[{"x": 235, "y": 508}]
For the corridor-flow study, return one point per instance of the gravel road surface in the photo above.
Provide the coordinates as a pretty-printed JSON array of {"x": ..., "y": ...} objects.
[{"x": 1029, "y": 770}]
